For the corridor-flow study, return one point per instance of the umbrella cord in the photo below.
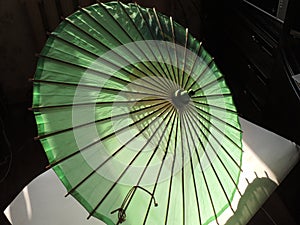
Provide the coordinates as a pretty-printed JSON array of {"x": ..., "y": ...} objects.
[{"x": 125, "y": 203}]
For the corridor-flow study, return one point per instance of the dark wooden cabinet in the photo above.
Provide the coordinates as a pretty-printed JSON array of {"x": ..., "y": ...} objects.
[{"x": 257, "y": 52}]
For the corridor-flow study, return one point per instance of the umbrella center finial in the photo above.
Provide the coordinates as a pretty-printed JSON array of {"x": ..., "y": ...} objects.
[{"x": 181, "y": 98}]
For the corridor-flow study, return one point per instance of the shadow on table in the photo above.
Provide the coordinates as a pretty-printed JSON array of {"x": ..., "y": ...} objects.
[{"x": 255, "y": 195}]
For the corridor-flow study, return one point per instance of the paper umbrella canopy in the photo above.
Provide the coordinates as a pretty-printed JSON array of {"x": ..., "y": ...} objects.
[{"x": 136, "y": 119}]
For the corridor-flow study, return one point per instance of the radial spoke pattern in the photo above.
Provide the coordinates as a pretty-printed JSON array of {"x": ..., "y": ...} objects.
[{"x": 136, "y": 119}]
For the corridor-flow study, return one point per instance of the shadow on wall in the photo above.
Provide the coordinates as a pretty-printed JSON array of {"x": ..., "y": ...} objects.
[{"x": 256, "y": 193}]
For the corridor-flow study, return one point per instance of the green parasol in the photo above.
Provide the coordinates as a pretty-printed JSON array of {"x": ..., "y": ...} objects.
[{"x": 136, "y": 119}]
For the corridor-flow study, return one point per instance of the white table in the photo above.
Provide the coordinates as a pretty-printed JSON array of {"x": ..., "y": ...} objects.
[{"x": 267, "y": 159}]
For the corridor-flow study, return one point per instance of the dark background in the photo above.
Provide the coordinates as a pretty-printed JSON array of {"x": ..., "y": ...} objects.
[{"x": 257, "y": 54}]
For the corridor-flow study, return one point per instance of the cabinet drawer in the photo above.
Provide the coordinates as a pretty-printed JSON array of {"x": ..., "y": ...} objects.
[{"x": 256, "y": 86}]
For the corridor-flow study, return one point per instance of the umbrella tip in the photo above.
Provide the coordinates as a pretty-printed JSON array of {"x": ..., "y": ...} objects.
[
  {"x": 48, "y": 166},
  {"x": 36, "y": 138}
]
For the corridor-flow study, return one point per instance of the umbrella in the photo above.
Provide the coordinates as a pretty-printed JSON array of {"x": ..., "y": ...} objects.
[{"x": 136, "y": 119}]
